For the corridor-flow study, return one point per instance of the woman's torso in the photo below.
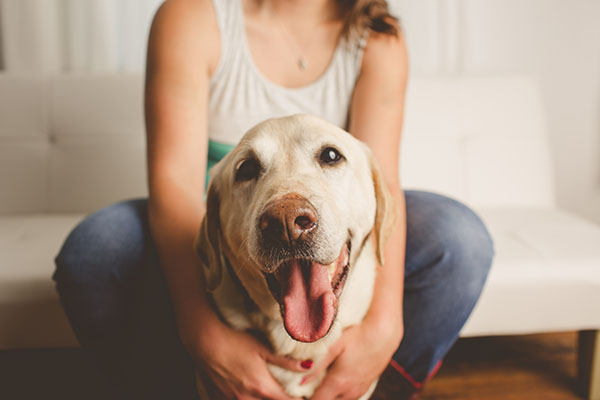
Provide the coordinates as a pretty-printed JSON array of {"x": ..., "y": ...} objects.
[{"x": 241, "y": 95}]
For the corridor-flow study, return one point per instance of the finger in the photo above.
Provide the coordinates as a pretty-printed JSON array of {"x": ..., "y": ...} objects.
[
  {"x": 242, "y": 396},
  {"x": 272, "y": 390},
  {"x": 216, "y": 388},
  {"x": 338, "y": 385},
  {"x": 264, "y": 386},
  {"x": 323, "y": 365},
  {"x": 330, "y": 388},
  {"x": 287, "y": 362}
]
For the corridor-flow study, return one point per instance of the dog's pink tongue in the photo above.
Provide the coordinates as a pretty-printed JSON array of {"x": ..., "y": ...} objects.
[{"x": 307, "y": 301}]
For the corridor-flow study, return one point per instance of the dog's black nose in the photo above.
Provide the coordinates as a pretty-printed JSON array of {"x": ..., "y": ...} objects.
[{"x": 287, "y": 219}]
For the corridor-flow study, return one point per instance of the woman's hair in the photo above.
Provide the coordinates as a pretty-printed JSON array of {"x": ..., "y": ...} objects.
[{"x": 361, "y": 15}]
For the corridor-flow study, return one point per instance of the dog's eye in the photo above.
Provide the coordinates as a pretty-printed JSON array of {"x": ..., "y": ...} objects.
[
  {"x": 330, "y": 156},
  {"x": 249, "y": 169}
]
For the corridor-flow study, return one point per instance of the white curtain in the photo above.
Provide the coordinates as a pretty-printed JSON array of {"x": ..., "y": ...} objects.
[{"x": 51, "y": 36}]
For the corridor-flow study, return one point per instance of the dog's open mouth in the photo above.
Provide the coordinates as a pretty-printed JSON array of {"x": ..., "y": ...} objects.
[{"x": 308, "y": 294}]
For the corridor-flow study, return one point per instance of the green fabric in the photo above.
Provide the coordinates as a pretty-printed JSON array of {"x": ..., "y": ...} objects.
[{"x": 216, "y": 151}]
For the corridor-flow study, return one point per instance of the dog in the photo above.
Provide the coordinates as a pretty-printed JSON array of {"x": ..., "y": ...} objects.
[{"x": 296, "y": 218}]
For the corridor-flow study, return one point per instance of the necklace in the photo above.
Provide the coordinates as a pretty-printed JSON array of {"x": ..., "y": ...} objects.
[{"x": 301, "y": 61}]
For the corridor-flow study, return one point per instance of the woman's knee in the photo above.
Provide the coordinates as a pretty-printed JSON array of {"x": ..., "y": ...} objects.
[
  {"x": 453, "y": 232},
  {"x": 104, "y": 244}
]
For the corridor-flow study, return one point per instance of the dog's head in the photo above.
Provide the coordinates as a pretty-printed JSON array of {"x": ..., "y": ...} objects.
[{"x": 290, "y": 208}]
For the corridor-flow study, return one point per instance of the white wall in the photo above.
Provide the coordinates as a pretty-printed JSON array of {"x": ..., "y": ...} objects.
[
  {"x": 557, "y": 41},
  {"x": 51, "y": 36}
]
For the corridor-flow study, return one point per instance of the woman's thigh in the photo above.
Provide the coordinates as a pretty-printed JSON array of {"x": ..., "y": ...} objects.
[
  {"x": 448, "y": 254},
  {"x": 112, "y": 289}
]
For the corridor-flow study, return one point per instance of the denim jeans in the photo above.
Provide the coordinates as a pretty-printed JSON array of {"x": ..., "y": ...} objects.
[{"x": 112, "y": 289}]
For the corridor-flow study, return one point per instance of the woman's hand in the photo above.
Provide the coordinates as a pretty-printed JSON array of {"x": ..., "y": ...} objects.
[
  {"x": 236, "y": 365},
  {"x": 357, "y": 359}
]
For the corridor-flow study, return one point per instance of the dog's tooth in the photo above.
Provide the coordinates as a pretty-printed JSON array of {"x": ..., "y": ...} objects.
[{"x": 331, "y": 270}]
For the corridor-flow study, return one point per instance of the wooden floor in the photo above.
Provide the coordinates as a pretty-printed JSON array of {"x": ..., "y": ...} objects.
[
  {"x": 508, "y": 368},
  {"x": 499, "y": 368}
]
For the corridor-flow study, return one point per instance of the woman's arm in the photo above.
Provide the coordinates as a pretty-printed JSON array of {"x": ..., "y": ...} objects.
[
  {"x": 178, "y": 70},
  {"x": 183, "y": 52},
  {"x": 376, "y": 117}
]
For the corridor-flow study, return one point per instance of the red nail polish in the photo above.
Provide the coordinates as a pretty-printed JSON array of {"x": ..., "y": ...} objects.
[{"x": 306, "y": 364}]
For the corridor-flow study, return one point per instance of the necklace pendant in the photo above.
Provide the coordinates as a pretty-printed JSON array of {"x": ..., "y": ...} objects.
[{"x": 302, "y": 64}]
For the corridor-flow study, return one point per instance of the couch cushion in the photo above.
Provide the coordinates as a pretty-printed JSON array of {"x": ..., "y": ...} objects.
[
  {"x": 479, "y": 139},
  {"x": 70, "y": 143},
  {"x": 30, "y": 312},
  {"x": 87, "y": 173},
  {"x": 545, "y": 276},
  {"x": 24, "y": 147},
  {"x": 23, "y": 106},
  {"x": 98, "y": 148},
  {"x": 23, "y": 175}
]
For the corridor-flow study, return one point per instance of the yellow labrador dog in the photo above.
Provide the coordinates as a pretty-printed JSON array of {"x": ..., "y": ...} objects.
[{"x": 286, "y": 238}]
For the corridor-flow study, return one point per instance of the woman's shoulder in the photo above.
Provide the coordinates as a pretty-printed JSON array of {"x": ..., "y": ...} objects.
[
  {"x": 186, "y": 30},
  {"x": 384, "y": 71},
  {"x": 384, "y": 50}
]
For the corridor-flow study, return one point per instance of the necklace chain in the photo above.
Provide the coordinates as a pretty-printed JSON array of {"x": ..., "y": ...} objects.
[{"x": 301, "y": 61}]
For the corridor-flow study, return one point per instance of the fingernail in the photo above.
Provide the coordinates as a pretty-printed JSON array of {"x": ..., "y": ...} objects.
[{"x": 306, "y": 364}]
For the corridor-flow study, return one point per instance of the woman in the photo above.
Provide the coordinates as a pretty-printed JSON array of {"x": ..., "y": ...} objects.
[{"x": 127, "y": 275}]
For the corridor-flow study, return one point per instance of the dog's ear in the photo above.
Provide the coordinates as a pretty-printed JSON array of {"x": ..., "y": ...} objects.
[
  {"x": 208, "y": 241},
  {"x": 386, "y": 214}
]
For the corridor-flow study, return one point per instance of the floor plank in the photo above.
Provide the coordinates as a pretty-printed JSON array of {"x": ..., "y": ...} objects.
[
  {"x": 49, "y": 374},
  {"x": 508, "y": 368}
]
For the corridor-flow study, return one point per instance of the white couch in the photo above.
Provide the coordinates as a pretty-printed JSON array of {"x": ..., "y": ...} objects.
[{"x": 72, "y": 144}]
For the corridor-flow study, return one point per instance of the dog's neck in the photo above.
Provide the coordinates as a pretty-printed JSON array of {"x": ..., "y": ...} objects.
[
  {"x": 253, "y": 285},
  {"x": 249, "y": 304}
]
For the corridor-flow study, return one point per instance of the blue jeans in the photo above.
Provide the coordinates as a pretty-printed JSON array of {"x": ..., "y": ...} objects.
[{"x": 112, "y": 289}]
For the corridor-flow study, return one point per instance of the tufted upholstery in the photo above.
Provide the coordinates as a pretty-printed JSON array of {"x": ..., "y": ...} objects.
[
  {"x": 72, "y": 144},
  {"x": 481, "y": 140}
]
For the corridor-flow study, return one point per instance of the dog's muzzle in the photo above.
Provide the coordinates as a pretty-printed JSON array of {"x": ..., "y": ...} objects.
[
  {"x": 307, "y": 290},
  {"x": 287, "y": 221}
]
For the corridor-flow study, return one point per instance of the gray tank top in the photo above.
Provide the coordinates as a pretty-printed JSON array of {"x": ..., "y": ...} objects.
[{"x": 241, "y": 97}]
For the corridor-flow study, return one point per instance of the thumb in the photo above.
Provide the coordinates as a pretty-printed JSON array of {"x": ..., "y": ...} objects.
[
  {"x": 287, "y": 362},
  {"x": 334, "y": 352},
  {"x": 271, "y": 389},
  {"x": 329, "y": 388}
]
